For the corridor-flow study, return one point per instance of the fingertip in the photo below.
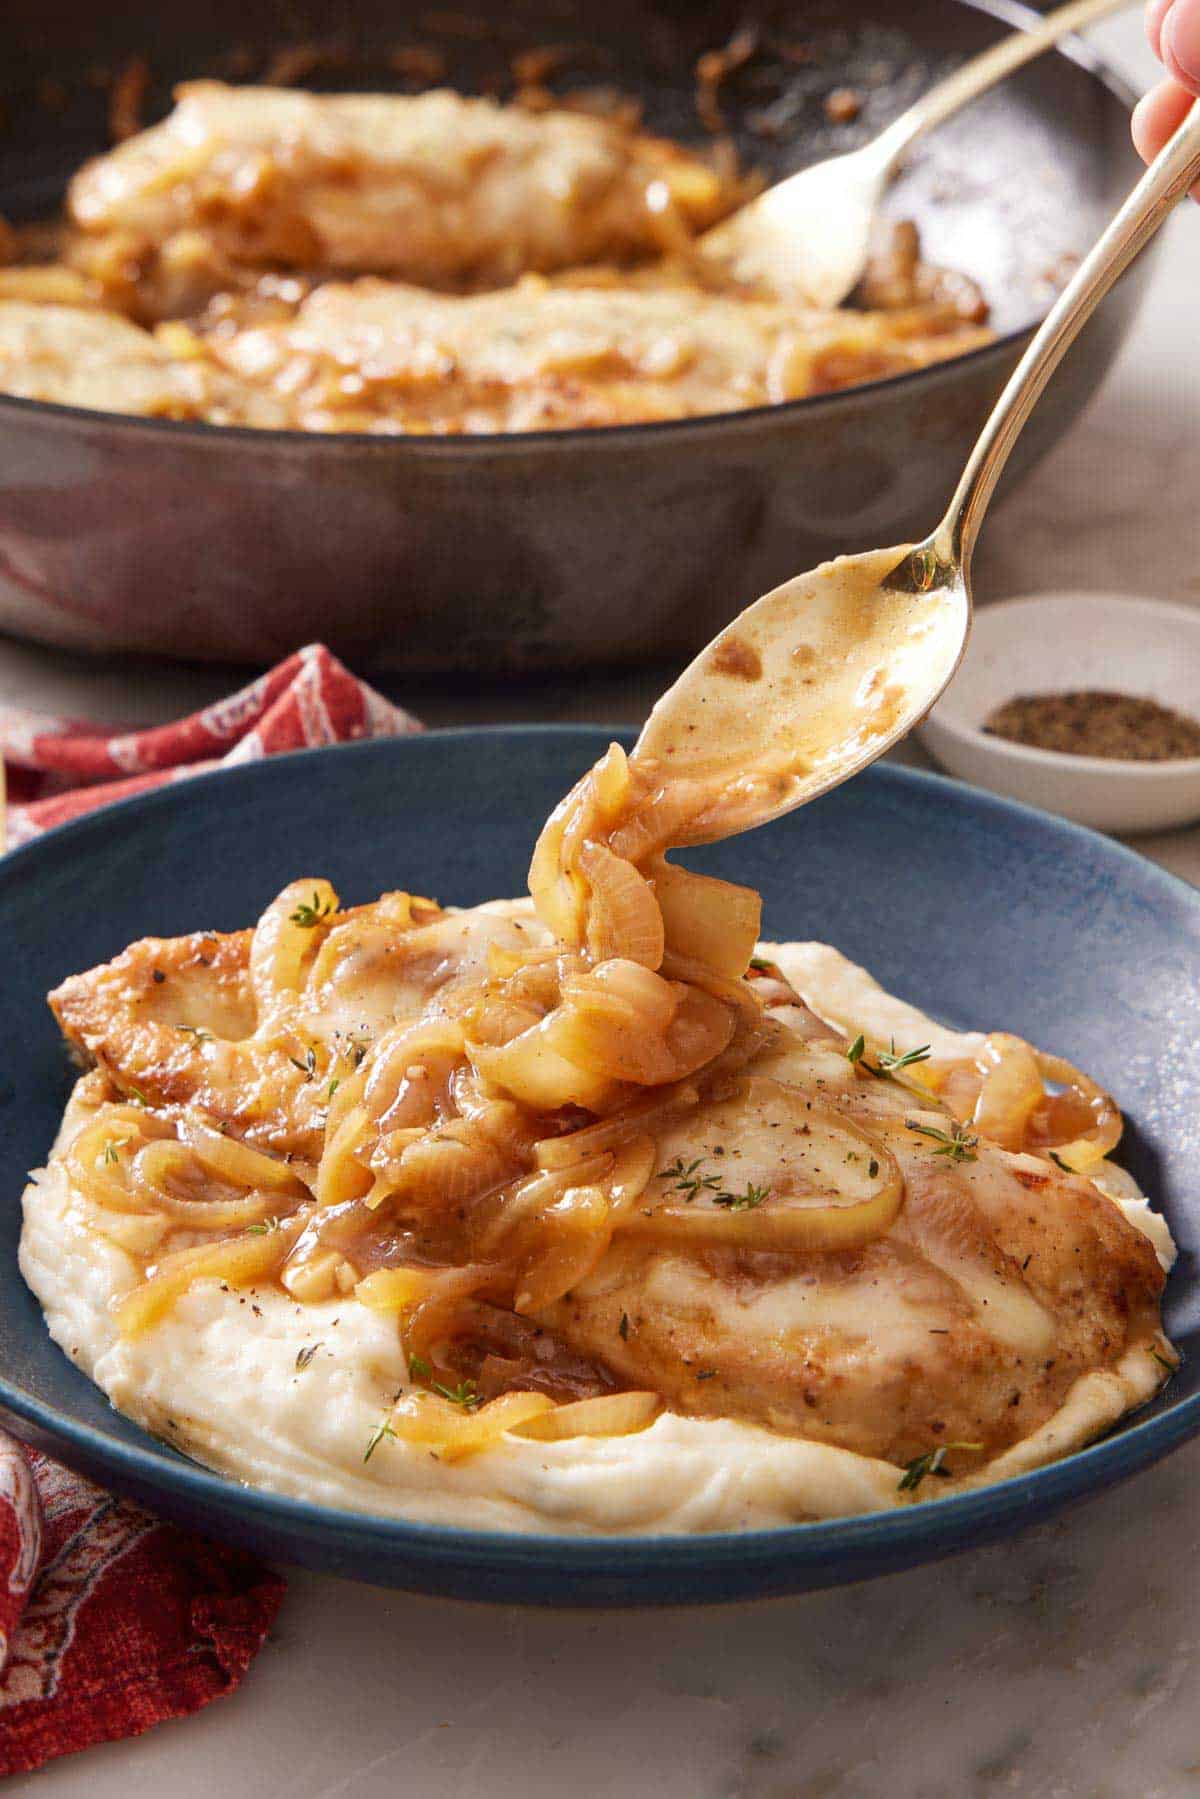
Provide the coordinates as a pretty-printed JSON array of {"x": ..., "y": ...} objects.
[
  {"x": 1179, "y": 37},
  {"x": 1140, "y": 127},
  {"x": 1155, "y": 17},
  {"x": 1158, "y": 116}
]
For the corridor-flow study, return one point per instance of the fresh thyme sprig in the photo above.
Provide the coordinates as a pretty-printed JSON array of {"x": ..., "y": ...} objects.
[
  {"x": 304, "y": 1356},
  {"x": 113, "y": 1148},
  {"x": 687, "y": 1180},
  {"x": 956, "y": 1144},
  {"x": 307, "y": 915},
  {"x": 463, "y": 1395},
  {"x": 887, "y": 1061},
  {"x": 263, "y": 1227},
  {"x": 930, "y": 1463},
  {"x": 308, "y": 1067},
  {"x": 196, "y": 1031},
  {"x": 382, "y": 1429},
  {"x": 742, "y": 1202},
  {"x": 891, "y": 1063}
]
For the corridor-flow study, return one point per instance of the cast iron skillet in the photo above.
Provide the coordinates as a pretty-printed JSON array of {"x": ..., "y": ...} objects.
[{"x": 546, "y": 549}]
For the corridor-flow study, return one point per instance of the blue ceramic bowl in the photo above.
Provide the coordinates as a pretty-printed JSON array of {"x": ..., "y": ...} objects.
[{"x": 983, "y": 911}]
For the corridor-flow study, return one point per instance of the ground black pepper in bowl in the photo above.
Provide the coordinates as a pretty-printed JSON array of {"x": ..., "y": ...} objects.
[{"x": 1120, "y": 727}]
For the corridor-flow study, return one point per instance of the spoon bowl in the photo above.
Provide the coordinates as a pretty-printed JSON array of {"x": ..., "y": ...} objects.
[
  {"x": 809, "y": 685},
  {"x": 821, "y": 676},
  {"x": 807, "y": 237}
]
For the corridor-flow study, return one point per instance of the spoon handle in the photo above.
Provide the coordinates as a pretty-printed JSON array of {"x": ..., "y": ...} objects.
[
  {"x": 982, "y": 72},
  {"x": 1166, "y": 181}
]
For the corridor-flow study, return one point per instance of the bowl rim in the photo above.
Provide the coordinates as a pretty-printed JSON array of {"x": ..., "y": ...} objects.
[
  {"x": 1176, "y": 771},
  {"x": 633, "y": 1558},
  {"x": 1020, "y": 14}
]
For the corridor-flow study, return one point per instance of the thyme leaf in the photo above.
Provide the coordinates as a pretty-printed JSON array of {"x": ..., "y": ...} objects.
[
  {"x": 742, "y": 1202},
  {"x": 957, "y": 1144},
  {"x": 464, "y": 1394},
  {"x": 891, "y": 1062},
  {"x": 382, "y": 1429},
  {"x": 687, "y": 1180},
  {"x": 304, "y": 1356},
  {"x": 307, "y": 915},
  {"x": 930, "y": 1463}
]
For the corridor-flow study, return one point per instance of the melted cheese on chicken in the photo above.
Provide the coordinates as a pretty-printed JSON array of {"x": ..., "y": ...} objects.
[
  {"x": 438, "y": 188},
  {"x": 80, "y": 356},
  {"x": 375, "y": 356}
]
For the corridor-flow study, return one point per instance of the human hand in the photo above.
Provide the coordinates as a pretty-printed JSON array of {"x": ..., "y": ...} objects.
[{"x": 1173, "y": 28}]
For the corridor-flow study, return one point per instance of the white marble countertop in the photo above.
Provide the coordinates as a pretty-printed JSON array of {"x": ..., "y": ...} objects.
[{"x": 1062, "y": 1665}]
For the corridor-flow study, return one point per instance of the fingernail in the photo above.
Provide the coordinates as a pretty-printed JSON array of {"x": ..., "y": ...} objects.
[{"x": 1181, "y": 37}]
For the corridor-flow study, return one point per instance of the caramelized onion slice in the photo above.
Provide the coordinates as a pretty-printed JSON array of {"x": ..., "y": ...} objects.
[
  {"x": 287, "y": 934},
  {"x": 710, "y": 921},
  {"x": 534, "y": 1069},
  {"x": 238, "y": 1261},
  {"x": 559, "y": 897},
  {"x": 238, "y": 1163},
  {"x": 1010, "y": 1090},
  {"x": 99, "y": 1160},
  {"x": 801, "y": 1177},
  {"x": 409, "y": 1069},
  {"x": 441, "y": 1316},
  {"x": 395, "y": 1290},
  {"x": 623, "y": 915},
  {"x": 166, "y": 1172},
  {"x": 341, "y": 1176},
  {"x": 574, "y": 1233},
  {"x": 646, "y": 1113},
  {"x": 608, "y": 1415},
  {"x": 457, "y": 1430},
  {"x": 1081, "y": 1150}
]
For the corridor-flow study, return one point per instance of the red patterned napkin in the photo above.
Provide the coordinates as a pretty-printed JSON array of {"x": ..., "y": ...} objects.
[
  {"x": 111, "y": 1621},
  {"x": 59, "y": 768}
]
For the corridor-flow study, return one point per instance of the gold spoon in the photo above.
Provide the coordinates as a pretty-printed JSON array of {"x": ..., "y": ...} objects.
[
  {"x": 807, "y": 237},
  {"x": 819, "y": 677}
]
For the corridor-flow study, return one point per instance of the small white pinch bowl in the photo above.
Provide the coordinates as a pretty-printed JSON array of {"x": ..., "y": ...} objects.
[{"x": 1059, "y": 643}]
